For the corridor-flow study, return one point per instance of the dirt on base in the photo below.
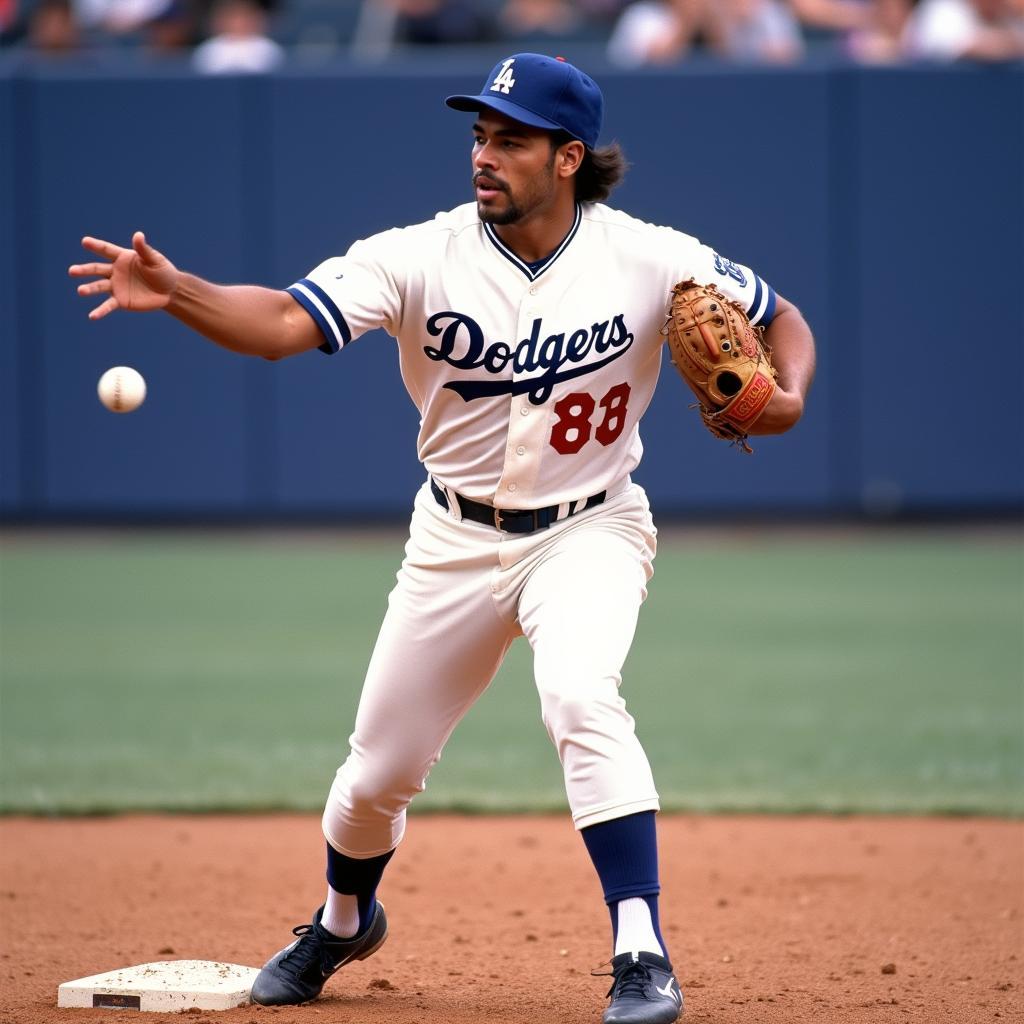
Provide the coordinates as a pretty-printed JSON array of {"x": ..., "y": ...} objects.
[{"x": 500, "y": 920}]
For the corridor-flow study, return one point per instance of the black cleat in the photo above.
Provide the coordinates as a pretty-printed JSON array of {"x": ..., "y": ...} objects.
[
  {"x": 298, "y": 973},
  {"x": 644, "y": 991}
]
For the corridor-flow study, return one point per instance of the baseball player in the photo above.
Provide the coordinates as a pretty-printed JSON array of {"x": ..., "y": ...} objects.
[{"x": 528, "y": 325}]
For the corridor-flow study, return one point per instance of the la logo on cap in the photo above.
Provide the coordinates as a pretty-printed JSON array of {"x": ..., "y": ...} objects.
[
  {"x": 504, "y": 81},
  {"x": 541, "y": 92}
]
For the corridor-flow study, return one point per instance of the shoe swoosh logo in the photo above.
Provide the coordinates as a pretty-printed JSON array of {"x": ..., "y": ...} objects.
[
  {"x": 331, "y": 970},
  {"x": 670, "y": 991}
]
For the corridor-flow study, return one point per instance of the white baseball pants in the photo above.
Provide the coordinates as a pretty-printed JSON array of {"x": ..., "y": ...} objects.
[{"x": 464, "y": 593}]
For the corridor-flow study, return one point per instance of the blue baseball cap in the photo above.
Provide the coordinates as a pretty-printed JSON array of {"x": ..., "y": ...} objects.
[{"x": 543, "y": 92}]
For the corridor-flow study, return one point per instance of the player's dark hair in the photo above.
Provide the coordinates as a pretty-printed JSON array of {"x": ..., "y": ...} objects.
[{"x": 601, "y": 170}]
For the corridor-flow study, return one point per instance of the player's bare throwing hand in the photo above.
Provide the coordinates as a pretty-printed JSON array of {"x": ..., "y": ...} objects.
[
  {"x": 529, "y": 333},
  {"x": 139, "y": 278}
]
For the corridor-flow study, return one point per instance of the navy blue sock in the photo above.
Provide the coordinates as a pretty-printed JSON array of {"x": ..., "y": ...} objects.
[
  {"x": 625, "y": 854},
  {"x": 359, "y": 878}
]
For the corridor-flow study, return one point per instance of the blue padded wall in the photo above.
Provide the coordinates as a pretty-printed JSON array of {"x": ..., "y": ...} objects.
[{"x": 887, "y": 203}]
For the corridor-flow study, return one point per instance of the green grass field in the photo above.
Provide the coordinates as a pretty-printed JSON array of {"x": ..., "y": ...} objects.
[{"x": 853, "y": 671}]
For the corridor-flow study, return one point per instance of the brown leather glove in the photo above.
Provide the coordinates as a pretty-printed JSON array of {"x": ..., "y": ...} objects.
[{"x": 723, "y": 359}]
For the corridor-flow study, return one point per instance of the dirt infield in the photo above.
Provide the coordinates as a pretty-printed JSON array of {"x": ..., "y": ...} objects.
[{"x": 499, "y": 920}]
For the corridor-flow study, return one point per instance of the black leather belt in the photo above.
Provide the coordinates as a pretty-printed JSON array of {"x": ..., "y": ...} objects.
[{"x": 512, "y": 520}]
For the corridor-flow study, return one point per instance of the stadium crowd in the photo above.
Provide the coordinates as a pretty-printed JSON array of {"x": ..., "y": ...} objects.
[{"x": 234, "y": 36}]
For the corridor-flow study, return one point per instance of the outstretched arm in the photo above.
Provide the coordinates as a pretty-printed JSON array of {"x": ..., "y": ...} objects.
[
  {"x": 792, "y": 347},
  {"x": 244, "y": 318}
]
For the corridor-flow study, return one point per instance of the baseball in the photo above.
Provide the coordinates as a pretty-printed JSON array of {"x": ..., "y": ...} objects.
[{"x": 122, "y": 389}]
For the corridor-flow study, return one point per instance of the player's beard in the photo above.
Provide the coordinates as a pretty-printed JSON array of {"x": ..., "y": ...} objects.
[
  {"x": 538, "y": 191},
  {"x": 512, "y": 214}
]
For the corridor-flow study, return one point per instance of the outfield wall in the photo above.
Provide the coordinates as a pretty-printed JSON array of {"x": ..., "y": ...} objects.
[{"x": 888, "y": 204}]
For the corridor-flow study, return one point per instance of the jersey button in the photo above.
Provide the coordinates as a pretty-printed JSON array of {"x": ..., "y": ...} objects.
[
  {"x": 521, "y": 450},
  {"x": 525, "y": 411},
  {"x": 533, "y": 291},
  {"x": 513, "y": 487}
]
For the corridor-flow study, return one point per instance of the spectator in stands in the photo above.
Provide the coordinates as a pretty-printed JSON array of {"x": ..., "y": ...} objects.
[
  {"x": 947, "y": 30},
  {"x": 599, "y": 13},
  {"x": 538, "y": 22},
  {"x": 429, "y": 22},
  {"x": 655, "y": 32},
  {"x": 880, "y": 40},
  {"x": 383, "y": 24},
  {"x": 117, "y": 19},
  {"x": 10, "y": 21},
  {"x": 754, "y": 31},
  {"x": 52, "y": 28},
  {"x": 833, "y": 15},
  {"x": 239, "y": 42},
  {"x": 174, "y": 30}
]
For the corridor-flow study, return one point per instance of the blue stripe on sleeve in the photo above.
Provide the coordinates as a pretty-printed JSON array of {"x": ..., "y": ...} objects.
[
  {"x": 339, "y": 319},
  {"x": 755, "y": 302},
  {"x": 769, "y": 311},
  {"x": 330, "y": 345}
]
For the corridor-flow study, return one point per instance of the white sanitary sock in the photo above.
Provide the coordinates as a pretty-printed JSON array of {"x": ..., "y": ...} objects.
[
  {"x": 635, "y": 928},
  {"x": 341, "y": 914}
]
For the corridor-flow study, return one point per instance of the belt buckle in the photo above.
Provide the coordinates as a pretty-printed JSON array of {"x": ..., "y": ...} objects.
[{"x": 497, "y": 520}]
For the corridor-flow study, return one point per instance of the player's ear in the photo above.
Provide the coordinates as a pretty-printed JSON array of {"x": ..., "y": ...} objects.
[{"x": 570, "y": 156}]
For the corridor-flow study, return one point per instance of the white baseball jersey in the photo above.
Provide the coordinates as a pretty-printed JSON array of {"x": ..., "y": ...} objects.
[{"x": 530, "y": 380}]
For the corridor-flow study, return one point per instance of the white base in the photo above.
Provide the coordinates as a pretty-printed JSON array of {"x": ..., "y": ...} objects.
[{"x": 167, "y": 985}]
